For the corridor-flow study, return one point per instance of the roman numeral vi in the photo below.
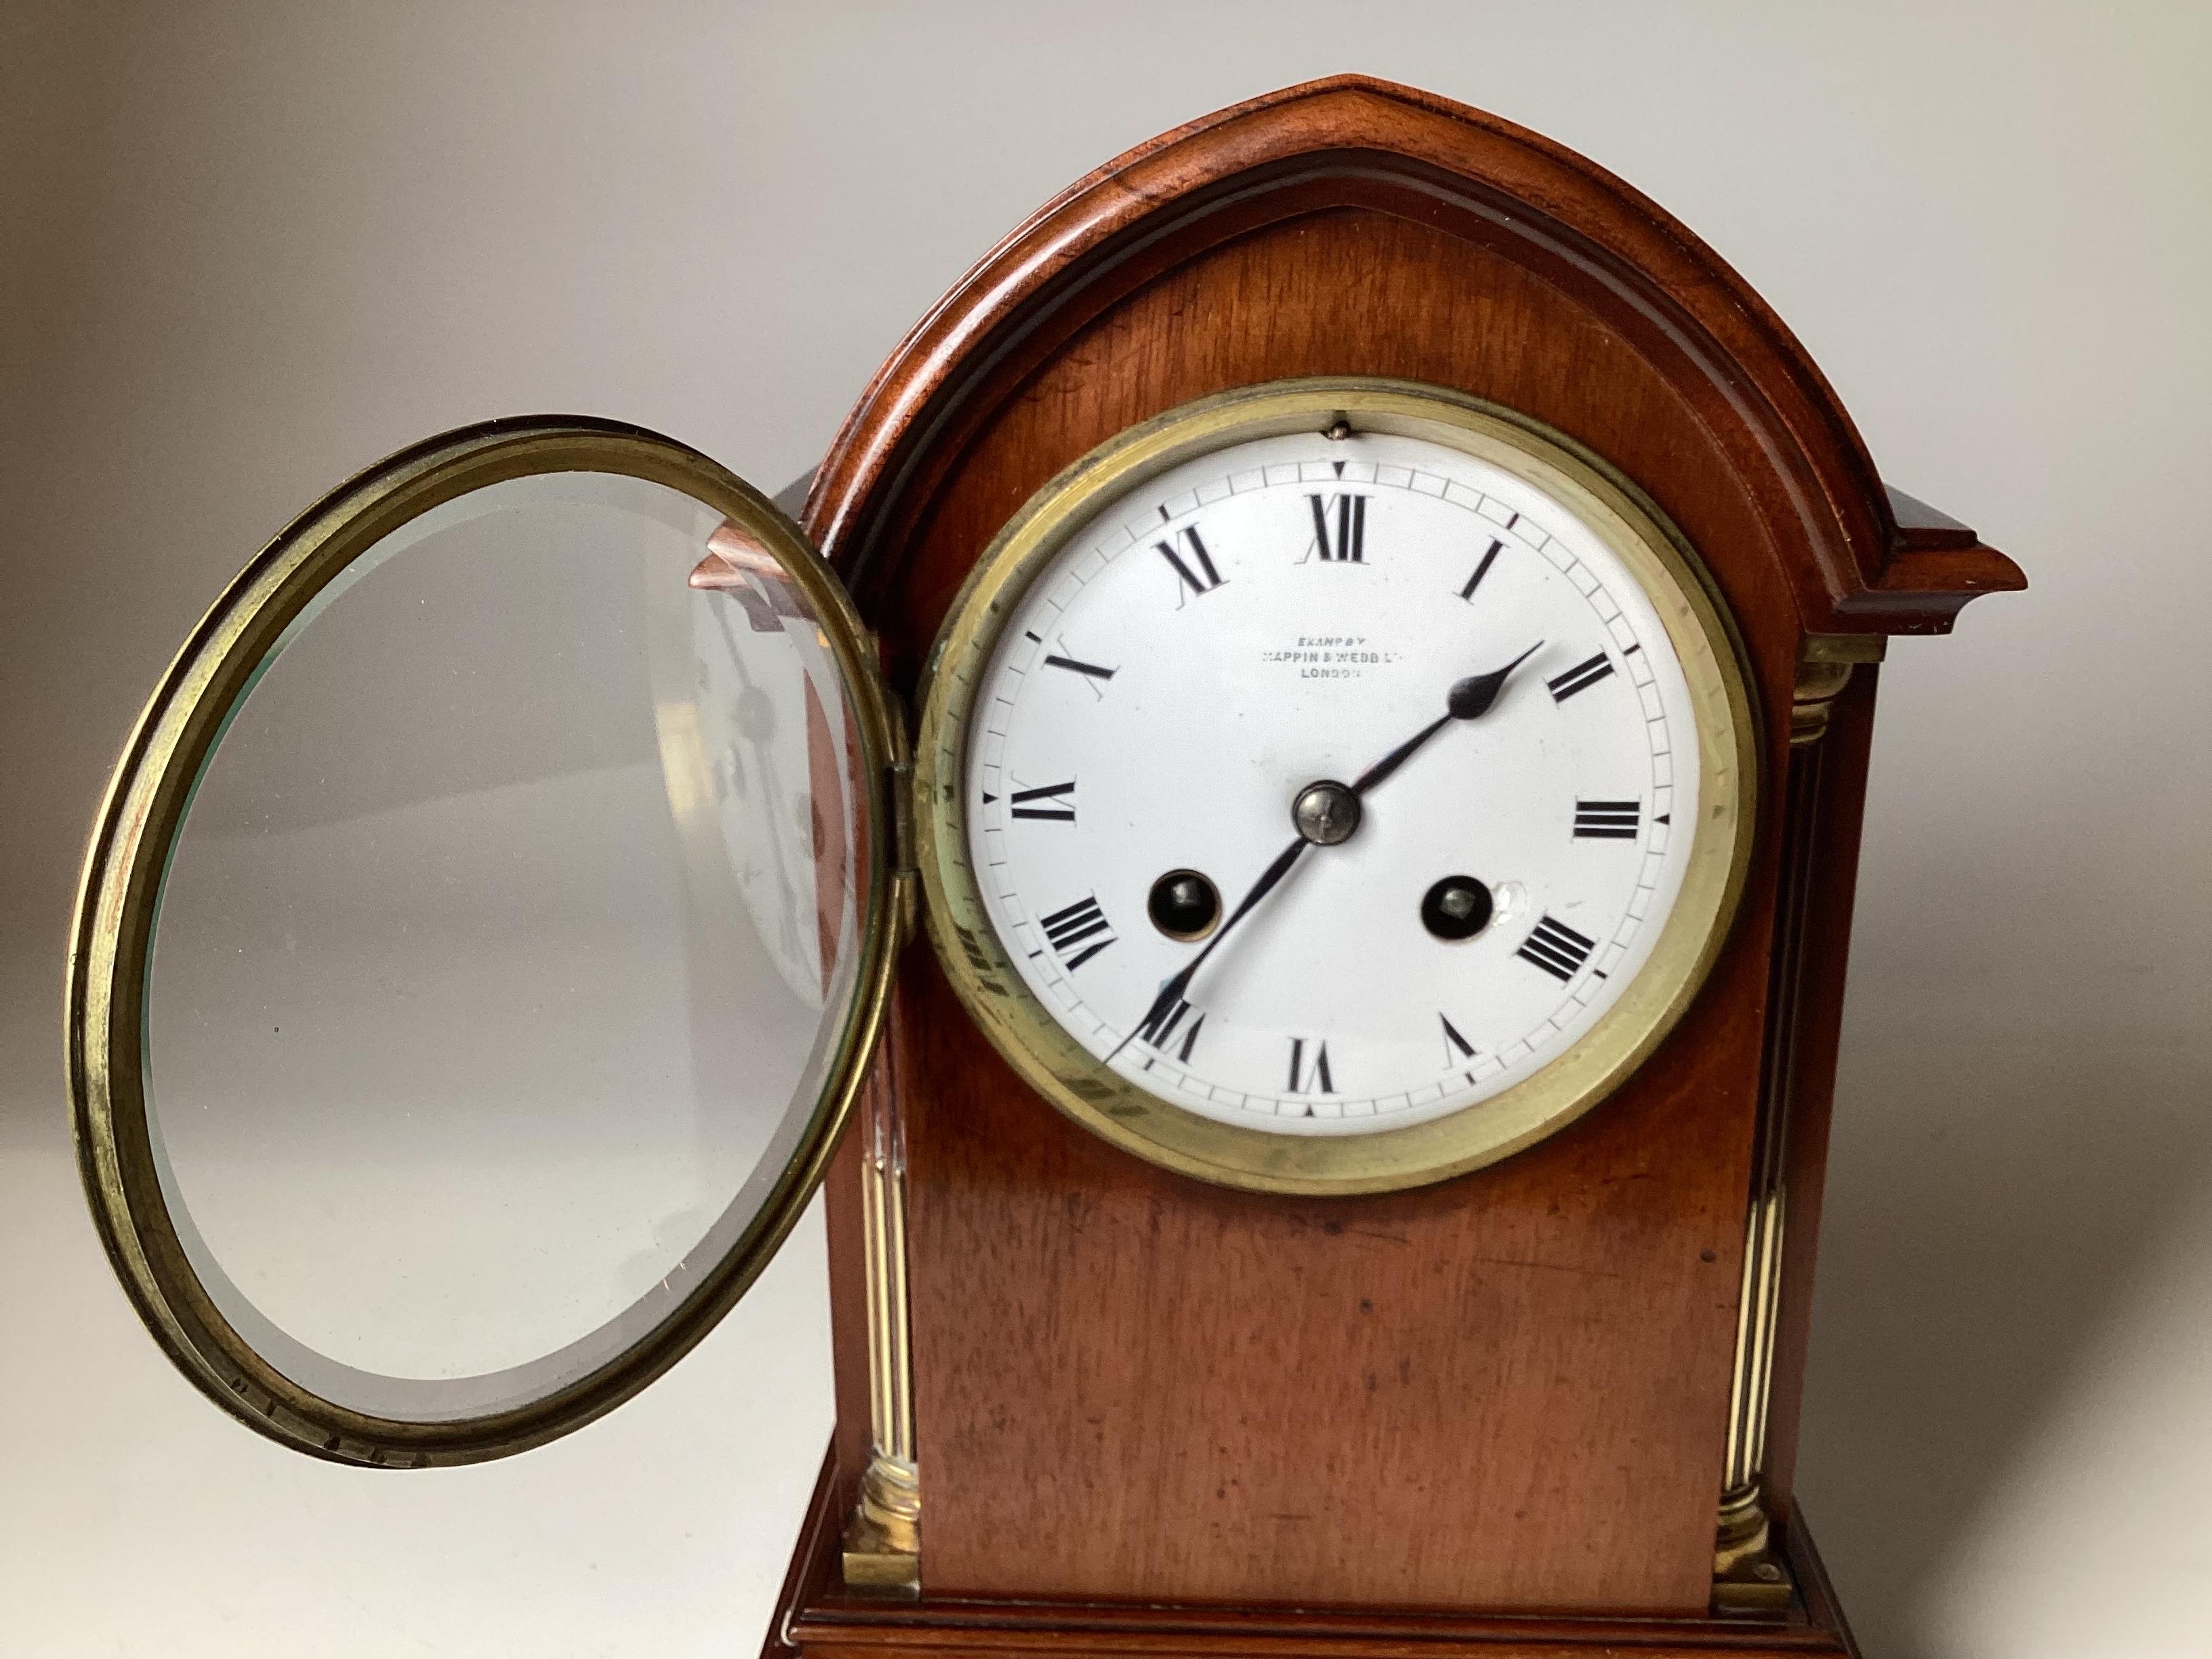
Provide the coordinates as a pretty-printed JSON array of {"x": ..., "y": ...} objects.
[{"x": 1310, "y": 1075}]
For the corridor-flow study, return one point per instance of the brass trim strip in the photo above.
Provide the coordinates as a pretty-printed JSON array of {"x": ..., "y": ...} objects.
[
  {"x": 1754, "y": 1344},
  {"x": 890, "y": 1363},
  {"x": 1843, "y": 647}
]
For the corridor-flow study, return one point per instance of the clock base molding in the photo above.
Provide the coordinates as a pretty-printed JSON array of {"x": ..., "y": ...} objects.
[{"x": 819, "y": 1616}]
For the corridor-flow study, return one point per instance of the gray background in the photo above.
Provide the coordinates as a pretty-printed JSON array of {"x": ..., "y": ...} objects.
[{"x": 244, "y": 250}]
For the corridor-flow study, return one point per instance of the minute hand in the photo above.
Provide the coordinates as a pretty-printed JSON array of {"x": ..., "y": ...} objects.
[
  {"x": 1468, "y": 699},
  {"x": 1172, "y": 993}
]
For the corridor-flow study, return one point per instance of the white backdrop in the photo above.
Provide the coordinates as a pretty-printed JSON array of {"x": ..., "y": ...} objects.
[{"x": 245, "y": 249}]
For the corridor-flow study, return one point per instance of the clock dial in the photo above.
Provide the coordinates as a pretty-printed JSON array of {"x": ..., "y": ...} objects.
[
  {"x": 1286, "y": 611},
  {"x": 1326, "y": 783}
]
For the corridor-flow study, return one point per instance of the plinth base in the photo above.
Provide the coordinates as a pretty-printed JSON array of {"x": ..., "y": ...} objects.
[{"x": 818, "y": 1617}]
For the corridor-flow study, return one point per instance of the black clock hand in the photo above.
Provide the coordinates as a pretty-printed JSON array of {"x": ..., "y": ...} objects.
[
  {"x": 1470, "y": 698},
  {"x": 1467, "y": 700},
  {"x": 1172, "y": 991}
]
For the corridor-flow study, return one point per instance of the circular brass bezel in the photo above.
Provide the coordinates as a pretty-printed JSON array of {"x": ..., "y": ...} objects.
[
  {"x": 1058, "y": 1068},
  {"x": 144, "y": 811}
]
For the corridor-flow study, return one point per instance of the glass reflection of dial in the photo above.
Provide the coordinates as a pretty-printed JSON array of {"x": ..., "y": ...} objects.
[
  {"x": 761, "y": 661},
  {"x": 1286, "y": 611}
]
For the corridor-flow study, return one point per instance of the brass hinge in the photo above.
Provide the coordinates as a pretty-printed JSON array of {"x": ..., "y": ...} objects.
[
  {"x": 898, "y": 788},
  {"x": 906, "y": 877}
]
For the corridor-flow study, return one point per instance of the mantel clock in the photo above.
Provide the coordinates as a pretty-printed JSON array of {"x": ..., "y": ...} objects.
[{"x": 1353, "y": 635}]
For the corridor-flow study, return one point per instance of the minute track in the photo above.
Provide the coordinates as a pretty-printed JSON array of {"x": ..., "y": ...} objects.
[{"x": 1176, "y": 750}]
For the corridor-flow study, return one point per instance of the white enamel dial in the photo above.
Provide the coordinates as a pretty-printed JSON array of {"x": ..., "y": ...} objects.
[{"x": 1288, "y": 610}]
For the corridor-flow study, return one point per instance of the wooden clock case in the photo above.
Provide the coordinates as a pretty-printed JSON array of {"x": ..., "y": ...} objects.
[{"x": 1548, "y": 1408}]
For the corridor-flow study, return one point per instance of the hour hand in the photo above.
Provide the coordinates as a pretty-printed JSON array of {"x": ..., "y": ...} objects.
[
  {"x": 1471, "y": 697},
  {"x": 1468, "y": 699}
]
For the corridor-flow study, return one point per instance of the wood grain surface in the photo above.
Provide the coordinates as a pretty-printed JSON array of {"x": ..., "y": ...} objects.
[{"x": 817, "y": 1616}]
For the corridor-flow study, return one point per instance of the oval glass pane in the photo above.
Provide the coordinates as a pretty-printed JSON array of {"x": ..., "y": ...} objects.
[{"x": 516, "y": 947}]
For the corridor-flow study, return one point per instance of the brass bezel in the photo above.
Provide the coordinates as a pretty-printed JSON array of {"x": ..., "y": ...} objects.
[
  {"x": 1059, "y": 1068},
  {"x": 144, "y": 809}
]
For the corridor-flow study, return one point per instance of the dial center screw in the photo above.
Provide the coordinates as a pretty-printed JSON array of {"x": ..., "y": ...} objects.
[{"x": 1325, "y": 813}]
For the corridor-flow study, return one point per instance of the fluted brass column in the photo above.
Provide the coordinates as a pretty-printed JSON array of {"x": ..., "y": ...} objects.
[
  {"x": 882, "y": 1543},
  {"x": 1749, "y": 1574}
]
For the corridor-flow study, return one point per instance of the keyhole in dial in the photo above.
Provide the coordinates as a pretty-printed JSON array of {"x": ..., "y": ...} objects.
[
  {"x": 1456, "y": 907},
  {"x": 1184, "y": 905}
]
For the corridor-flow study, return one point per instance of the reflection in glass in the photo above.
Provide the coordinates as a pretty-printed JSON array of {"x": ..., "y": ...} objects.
[{"x": 507, "y": 934}]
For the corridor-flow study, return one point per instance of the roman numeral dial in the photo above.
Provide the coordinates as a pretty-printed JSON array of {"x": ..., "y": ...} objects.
[{"x": 1178, "y": 666}]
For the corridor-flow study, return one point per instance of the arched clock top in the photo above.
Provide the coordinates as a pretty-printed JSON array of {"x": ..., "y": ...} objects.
[{"x": 1512, "y": 269}]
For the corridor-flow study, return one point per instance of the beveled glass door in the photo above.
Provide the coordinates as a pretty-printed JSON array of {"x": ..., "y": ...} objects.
[{"x": 482, "y": 942}]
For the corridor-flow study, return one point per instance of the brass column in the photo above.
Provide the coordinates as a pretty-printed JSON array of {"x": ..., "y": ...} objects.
[
  {"x": 882, "y": 1543},
  {"x": 1749, "y": 1574}
]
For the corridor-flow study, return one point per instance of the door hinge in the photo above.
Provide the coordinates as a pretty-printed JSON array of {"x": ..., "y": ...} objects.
[
  {"x": 898, "y": 786},
  {"x": 906, "y": 879}
]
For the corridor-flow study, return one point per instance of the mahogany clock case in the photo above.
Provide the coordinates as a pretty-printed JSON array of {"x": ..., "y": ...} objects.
[
  {"x": 1511, "y": 1392},
  {"x": 1544, "y": 1406}
]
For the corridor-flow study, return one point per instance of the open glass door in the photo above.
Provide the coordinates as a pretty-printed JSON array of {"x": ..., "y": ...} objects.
[{"x": 482, "y": 942}]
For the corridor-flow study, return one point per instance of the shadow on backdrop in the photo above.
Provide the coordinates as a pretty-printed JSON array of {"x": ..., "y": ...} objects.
[{"x": 1995, "y": 1190}]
